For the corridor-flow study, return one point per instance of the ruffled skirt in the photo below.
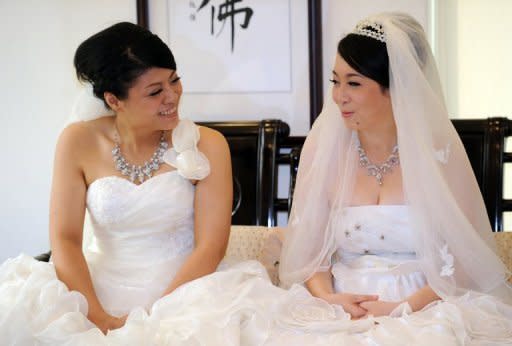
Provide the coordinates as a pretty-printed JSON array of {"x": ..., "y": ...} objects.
[
  {"x": 468, "y": 320},
  {"x": 228, "y": 307},
  {"x": 235, "y": 306}
]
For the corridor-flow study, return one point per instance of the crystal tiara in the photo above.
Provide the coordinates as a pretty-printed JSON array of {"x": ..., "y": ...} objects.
[{"x": 370, "y": 29}]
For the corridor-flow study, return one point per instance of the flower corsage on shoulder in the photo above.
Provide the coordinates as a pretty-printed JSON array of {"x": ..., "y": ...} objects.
[{"x": 184, "y": 155}]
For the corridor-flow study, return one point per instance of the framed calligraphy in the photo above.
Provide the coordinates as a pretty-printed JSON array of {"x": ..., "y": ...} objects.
[{"x": 243, "y": 59}]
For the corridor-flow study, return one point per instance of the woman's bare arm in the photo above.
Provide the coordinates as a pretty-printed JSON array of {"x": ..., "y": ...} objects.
[
  {"x": 67, "y": 211},
  {"x": 416, "y": 301},
  {"x": 212, "y": 212}
]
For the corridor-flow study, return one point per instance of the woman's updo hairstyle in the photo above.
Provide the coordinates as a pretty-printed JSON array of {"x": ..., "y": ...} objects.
[
  {"x": 113, "y": 58},
  {"x": 367, "y": 56}
]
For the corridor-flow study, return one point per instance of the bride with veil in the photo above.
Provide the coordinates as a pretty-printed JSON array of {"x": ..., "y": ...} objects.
[
  {"x": 388, "y": 241},
  {"x": 388, "y": 221}
]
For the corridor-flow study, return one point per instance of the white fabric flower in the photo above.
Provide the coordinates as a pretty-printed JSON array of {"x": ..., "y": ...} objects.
[
  {"x": 184, "y": 155},
  {"x": 447, "y": 269},
  {"x": 442, "y": 155},
  {"x": 185, "y": 136}
]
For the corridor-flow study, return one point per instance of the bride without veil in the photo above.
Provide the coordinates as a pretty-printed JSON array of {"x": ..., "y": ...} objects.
[{"x": 159, "y": 195}]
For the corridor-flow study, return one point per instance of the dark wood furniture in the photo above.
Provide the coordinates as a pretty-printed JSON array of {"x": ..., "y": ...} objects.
[
  {"x": 484, "y": 141},
  {"x": 254, "y": 147}
]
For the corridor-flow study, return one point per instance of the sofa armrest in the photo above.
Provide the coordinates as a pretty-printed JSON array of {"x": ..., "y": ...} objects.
[
  {"x": 504, "y": 249},
  {"x": 258, "y": 243}
]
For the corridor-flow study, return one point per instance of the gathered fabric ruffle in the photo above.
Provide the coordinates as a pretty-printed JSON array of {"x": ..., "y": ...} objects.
[
  {"x": 472, "y": 319},
  {"x": 228, "y": 307},
  {"x": 234, "y": 306},
  {"x": 184, "y": 154}
]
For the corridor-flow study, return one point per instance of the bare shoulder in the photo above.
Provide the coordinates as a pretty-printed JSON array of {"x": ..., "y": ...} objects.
[
  {"x": 212, "y": 141},
  {"x": 74, "y": 137},
  {"x": 80, "y": 139}
]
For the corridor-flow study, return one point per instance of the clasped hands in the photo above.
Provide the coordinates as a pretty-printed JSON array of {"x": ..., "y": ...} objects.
[
  {"x": 357, "y": 305},
  {"x": 362, "y": 305}
]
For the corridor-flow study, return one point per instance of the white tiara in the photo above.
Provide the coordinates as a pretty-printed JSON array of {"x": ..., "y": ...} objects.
[{"x": 370, "y": 29}]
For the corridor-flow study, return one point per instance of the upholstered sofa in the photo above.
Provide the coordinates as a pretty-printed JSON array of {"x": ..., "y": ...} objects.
[{"x": 264, "y": 244}]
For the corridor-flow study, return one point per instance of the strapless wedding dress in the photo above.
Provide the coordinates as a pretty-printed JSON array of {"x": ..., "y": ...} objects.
[
  {"x": 142, "y": 235},
  {"x": 375, "y": 255}
]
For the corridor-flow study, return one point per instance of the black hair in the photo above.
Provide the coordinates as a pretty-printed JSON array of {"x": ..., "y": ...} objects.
[
  {"x": 113, "y": 58},
  {"x": 367, "y": 56}
]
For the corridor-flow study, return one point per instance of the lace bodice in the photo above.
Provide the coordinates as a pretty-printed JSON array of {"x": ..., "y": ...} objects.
[
  {"x": 154, "y": 219},
  {"x": 142, "y": 234}
]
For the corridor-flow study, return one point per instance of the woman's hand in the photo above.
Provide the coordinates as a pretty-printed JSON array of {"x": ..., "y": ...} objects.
[
  {"x": 108, "y": 322},
  {"x": 379, "y": 307},
  {"x": 351, "y": 303}
]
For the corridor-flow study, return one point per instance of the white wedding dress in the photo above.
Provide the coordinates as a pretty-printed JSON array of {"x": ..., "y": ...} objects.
[
  {"x": 375, "y": 256},
  {"x": 144, "y": 233},
  {"x": 141, "y": 236}
]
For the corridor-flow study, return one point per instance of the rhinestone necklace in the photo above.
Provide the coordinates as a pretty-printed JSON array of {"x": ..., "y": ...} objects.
[
  {"x": 141, "y": 172},
  {"x": 378, "y": 171}
]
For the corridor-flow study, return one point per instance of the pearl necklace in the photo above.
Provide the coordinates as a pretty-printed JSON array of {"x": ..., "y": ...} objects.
[
  {"x": 378, "y": 171},
  {"x": 140, "y": 172}
]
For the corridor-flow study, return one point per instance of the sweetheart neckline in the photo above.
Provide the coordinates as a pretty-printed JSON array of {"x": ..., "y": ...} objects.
[
  {"x": 116, "y": 177},
  {"x": 376, "y": 206}
]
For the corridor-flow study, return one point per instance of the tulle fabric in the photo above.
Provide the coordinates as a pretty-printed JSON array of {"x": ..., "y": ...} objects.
[
  {"x": 453, "y": 238},
  {"x": 375, "y": 255},
  {"x": 466, "y": 320},
  {"x": 224, "y": 308},
  {"x": 87, "y": 106}
]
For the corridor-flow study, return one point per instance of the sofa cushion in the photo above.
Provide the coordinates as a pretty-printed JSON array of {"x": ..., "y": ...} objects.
[{"x": 256, "y": 243}]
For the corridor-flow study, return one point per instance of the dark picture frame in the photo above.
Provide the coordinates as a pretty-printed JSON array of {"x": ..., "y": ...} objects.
[{"x": 314, "y": 48}]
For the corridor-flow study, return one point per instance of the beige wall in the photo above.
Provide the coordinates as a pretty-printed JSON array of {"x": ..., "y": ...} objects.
[
  {"x": 474, "y": 52},
  {"x": 38, "y": 87}
]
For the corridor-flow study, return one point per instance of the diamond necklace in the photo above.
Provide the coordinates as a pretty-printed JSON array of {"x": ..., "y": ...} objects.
[
  {"x": 378, "y": 171},
  {"x": 141, "y": 172}
]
